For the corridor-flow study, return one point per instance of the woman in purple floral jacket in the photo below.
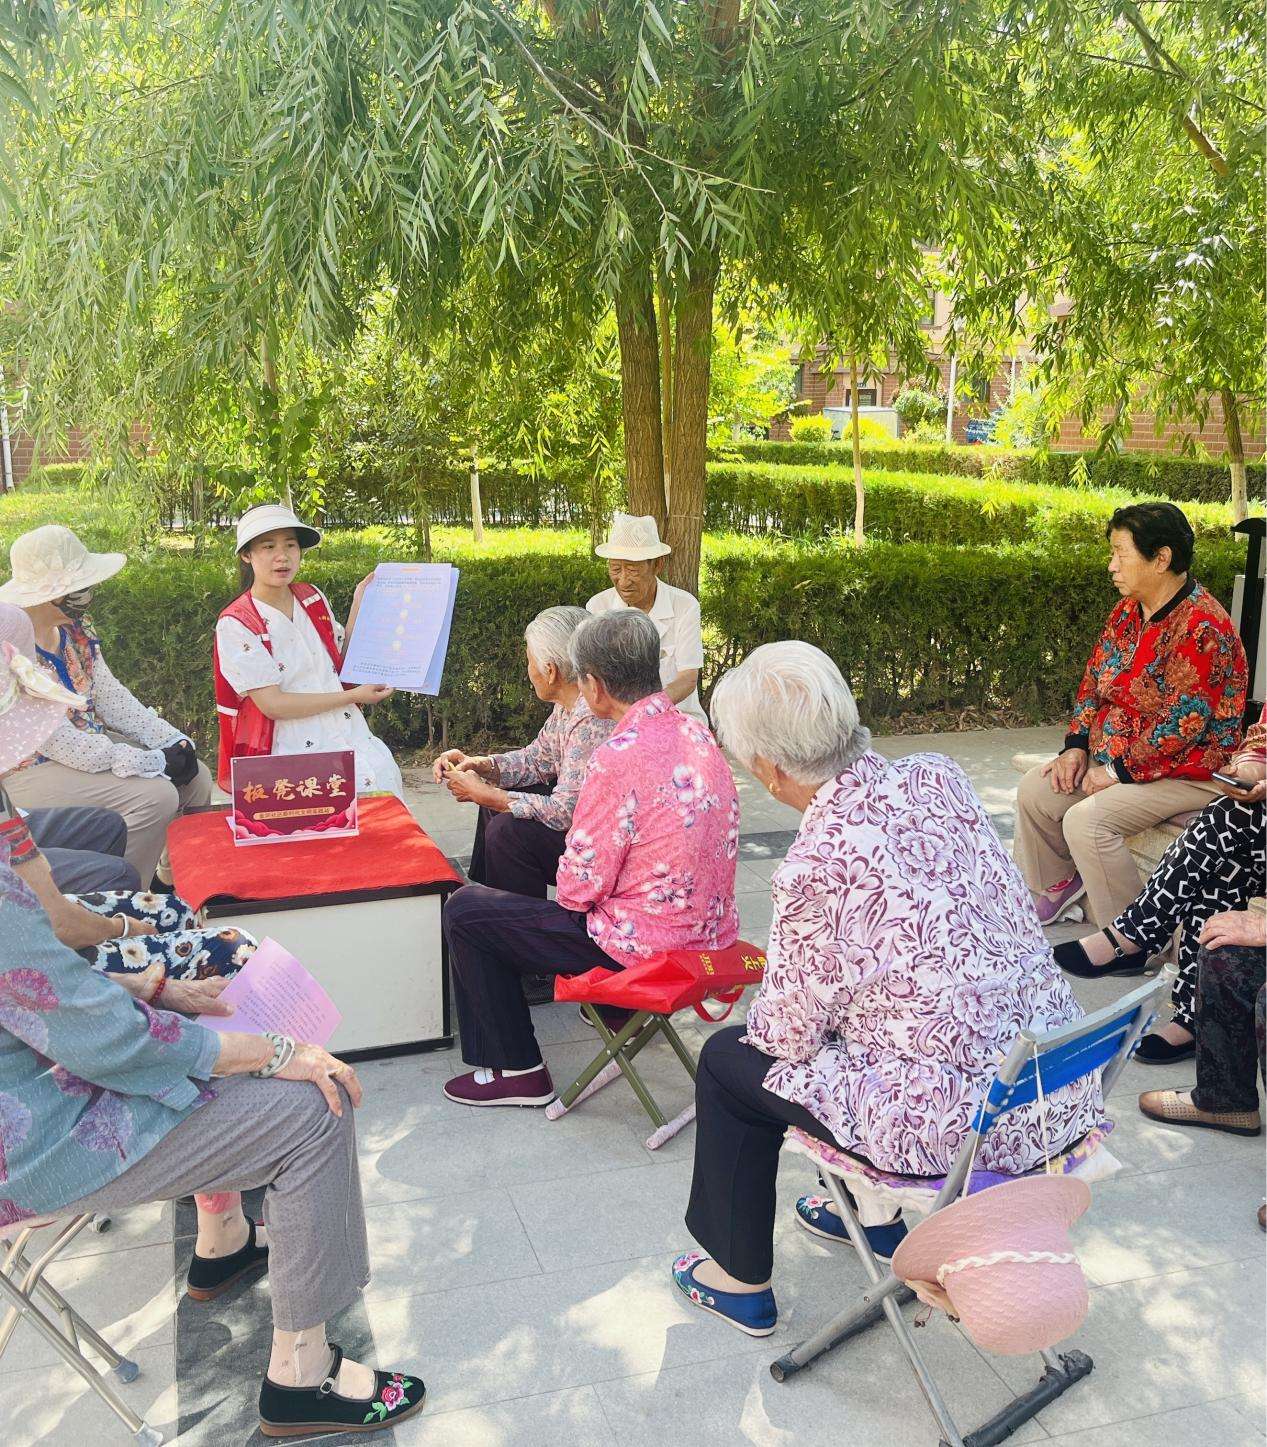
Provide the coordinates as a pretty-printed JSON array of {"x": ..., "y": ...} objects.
[{"x": 904, "y": 956}]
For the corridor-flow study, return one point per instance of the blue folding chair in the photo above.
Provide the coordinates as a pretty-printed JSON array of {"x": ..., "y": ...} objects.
[{"x": 1036, "y": 1065}]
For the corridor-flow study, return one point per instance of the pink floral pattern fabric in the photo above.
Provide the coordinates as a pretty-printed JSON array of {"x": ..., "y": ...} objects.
[
  {"x": 559, "y": 755},
  {"x": 650, "y": 857},
  {"x": 904, "y": 956}
]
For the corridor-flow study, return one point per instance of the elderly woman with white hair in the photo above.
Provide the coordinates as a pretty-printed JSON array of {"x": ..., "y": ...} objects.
[
  {"x": 526, "y": 796},
  {"x": 905, "y": 953}
]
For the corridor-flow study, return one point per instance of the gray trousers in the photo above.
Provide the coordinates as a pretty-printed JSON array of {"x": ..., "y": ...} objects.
[
  {"x": 279, "y": 1134},
  {"x": 148, "y": 806},
  {"x": 84, "y": 849}
]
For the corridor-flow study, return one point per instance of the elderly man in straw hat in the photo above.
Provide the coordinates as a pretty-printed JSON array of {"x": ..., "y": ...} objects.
[
  {"x": 635, "y": 555},
  {"x": 115, "y": 753}
]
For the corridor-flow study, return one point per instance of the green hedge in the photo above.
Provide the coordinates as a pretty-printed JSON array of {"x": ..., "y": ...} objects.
[
  {"x": 761, "y": 498},
  {"x": 1181, "y": 479},
  {"x": 928, "y": 629},
  {"x": 916, "y": 627},
  {"x": 919, "y": 628}
]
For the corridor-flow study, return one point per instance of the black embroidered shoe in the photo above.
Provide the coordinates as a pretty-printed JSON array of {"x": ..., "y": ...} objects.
[
  {"x": 212, "y": 1276},
  {"x": 307, "y": 1411}
]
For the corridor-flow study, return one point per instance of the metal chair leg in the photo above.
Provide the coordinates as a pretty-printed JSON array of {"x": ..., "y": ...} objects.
[
  {"x": 883, "y": 1293},
  {"x": 610, "y": 1044},
  {"x": 31, "y": 1313},
  {"x": 679, "y": 1046}
]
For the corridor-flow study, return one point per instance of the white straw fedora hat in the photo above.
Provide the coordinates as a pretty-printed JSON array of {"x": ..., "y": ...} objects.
[
  {"x": 32, "y": 705},
  {"x": 269, "y": 517},
  {"x": 50, "y": 562},
  {"x": 633, "y": 539}
]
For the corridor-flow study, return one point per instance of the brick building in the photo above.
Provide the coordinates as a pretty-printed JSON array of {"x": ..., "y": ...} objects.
[{"x": 820, "y": 386}]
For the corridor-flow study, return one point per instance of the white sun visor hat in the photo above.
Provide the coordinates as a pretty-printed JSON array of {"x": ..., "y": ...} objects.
[{"x": 271, "y": 517}]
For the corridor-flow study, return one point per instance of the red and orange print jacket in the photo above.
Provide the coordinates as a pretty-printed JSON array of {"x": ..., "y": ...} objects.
[{"x": 1163, "y": 699}]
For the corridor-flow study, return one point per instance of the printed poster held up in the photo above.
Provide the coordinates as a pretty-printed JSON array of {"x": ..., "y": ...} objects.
[
  {"x": 401, "y": 636},
  {"x": 285, "y": 798}
]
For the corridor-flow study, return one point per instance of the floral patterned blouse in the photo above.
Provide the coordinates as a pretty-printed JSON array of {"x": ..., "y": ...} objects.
[
  {"x": 650, "y": 857},
  {"x": 904, "y": 956},
  {"x": 559, "y": 755},
  {"x": 1163, "y": 699},
  {"x": 90, "y": 1079},
  {"x": 82, "y": 741}
]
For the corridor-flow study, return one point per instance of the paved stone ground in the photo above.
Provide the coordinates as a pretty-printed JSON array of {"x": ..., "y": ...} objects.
[{"x": 521, "y": 1266}]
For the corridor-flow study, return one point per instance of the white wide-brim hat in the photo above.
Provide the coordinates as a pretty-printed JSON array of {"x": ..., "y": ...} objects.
[
  {"x": 633, "y": 539},
  {"x": 271, "y": 517},
  {"x": 32, "y": 705},
  {"x": 50, "y": 562}
]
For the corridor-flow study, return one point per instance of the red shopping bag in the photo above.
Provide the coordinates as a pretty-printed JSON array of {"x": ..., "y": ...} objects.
[{"x": 670, "y": 981}]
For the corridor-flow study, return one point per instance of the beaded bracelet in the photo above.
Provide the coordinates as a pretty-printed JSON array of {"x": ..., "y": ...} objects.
[
  {"x": 283, "y": 1051},
  {"x": 158, "y": 989}
]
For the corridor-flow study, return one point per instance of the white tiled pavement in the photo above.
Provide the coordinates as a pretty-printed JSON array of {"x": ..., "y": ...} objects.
[{"x": 521, "y": 1266}]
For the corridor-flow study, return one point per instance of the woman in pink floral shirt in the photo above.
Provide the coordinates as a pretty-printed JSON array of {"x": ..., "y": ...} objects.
[
  {"x": 649, "y": 865},
  {"x": 904, "y": 956}
]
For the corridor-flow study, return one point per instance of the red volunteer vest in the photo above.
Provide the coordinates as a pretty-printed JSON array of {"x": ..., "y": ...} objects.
[{"x": 244, "y": 731}]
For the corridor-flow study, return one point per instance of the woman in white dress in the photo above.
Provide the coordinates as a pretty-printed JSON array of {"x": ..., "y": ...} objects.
[{"x": 278, "y": 649}]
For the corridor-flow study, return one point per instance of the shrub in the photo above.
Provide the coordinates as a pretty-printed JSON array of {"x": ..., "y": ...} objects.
[
  {"x": 909, "y": 507},
  {"x": 914, "y": 405},
  {"x": 57, "y": 476},
  {"x": 811, "y": 429},
  {"x": 926, "y": 628},
  {"x": 1181, "y": 479}
]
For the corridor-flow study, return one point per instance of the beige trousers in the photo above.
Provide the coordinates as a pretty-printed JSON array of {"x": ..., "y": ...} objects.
[
  {"x": 1089, "y": 832},
  {"x": 148, "y": 806}
]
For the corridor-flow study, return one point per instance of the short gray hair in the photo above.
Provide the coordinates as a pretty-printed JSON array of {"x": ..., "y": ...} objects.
[
  {"x": 789, "y": 703},
  {"x": 622, "y": 650},
  {"x": 549, "y": 638}
]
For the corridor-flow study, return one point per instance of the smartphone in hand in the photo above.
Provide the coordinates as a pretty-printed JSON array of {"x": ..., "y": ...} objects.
[{"x": 1234, "y": 781}]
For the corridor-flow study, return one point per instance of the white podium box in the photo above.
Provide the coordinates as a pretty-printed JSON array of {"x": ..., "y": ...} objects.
[{"x": 379, "y": 954}]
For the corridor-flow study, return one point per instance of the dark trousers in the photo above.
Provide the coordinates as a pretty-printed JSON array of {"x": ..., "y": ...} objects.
[
  {"x": 84, "y": 848},
  {"x": 739, "y": 1127},
  {"x": 1216, "y": 864},
  {"x": 517, "y": 855},
  {"x": 495, "y": 938},
  {"x": 1229, "y": 1028}
]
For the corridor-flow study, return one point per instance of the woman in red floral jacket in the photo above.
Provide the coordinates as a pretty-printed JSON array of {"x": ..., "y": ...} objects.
[{"x": 1160, "y": 708}]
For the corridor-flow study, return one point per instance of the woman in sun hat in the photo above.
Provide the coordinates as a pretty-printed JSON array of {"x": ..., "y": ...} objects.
[
  {"x": 115, "y": 752},
  {"x": 635, "y": 556},
  {"x": 110, "y": 1102},
  {"x": 278, "y": 651}
]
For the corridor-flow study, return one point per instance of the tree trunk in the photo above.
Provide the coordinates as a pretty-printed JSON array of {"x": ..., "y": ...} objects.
[
  {"x": 1235, "y": 453},
  {"x": 859, "y": 496},
  {"x": 640, "y": 397},
  {"x": 664, "y": 317},
  {"x": 477, "y": 509},
  {"x": 692, "y": 362}
]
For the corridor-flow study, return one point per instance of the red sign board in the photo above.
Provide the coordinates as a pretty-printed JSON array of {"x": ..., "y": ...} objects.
[{"x": 282, "y": 798}]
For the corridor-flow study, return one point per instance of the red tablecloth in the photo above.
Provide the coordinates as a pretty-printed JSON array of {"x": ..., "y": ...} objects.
[{"x": 390, "y": 851}]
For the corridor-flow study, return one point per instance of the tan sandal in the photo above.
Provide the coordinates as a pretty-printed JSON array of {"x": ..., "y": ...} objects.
[{"x": 1173, "y": 1107}]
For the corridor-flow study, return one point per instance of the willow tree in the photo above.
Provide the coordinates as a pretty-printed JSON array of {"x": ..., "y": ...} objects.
[
  {"x": 1149, "y": 218},
  {"x": 202, "y": 190}
]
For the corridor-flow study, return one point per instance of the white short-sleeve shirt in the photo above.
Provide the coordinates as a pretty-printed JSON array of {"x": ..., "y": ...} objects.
[
  {"x": 299, "y": 663},
  {"x": 675, "y": 613}
]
